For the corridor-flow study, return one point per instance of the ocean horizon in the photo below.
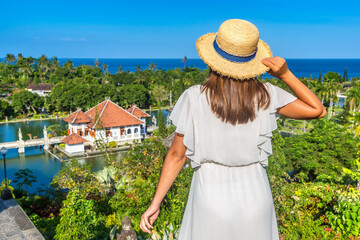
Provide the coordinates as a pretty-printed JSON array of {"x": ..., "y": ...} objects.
[{"x": 300, "y": 67}]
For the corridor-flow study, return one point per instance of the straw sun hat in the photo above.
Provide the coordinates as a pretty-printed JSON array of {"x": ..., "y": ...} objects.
[{"x": 235, "y": 50}]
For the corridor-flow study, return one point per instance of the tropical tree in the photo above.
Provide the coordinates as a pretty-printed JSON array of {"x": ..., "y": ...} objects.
[
  {"x": 162, "y": 130},
  {"x": 19, "y": 56},
  {"x": 152, "y": 66},
  {"x": 54, "y": 63},
  {"x": 5, "y": 109},
  {"x": 10, "y": 58},
  {"x": 138, "y": 67},
  {"x": 321, "y": 92},
  {"x": 120, "y": 70},
  {"x": 105, "y": 67},
  {"x": 184, "y": 60},
  {"x": 55, "y": 129},
  {"x": 322, "y": 152},
  {"x": 354, "y": 120},
  {"x": 96, "y": 63},
  {"x": 346, "y": 77},
  {"x": 353, "y": 97},
  {"x": 69, "y": 66},
  {"x": 24, "y": 100},
  {"x": 332, "y": 85},
  {"x": 44, "y": 65},
  {"x": 25, "y": 69},
  {"x": 24, "y": 177},
  {"x": 159, "y": 93}
]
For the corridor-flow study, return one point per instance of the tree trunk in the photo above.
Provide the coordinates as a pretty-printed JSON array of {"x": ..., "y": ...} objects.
[
  {"x": 33, "y": 108},
  {"x": 330, "y": 108}
]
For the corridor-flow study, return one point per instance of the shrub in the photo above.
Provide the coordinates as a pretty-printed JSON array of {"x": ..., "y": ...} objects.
[
  {"x": 112, "y": 144},
  {"x": 345, "y": 218},
  {"x": 143, "y": 165},
  {"x": 323, "y": 152},
  {"x": 79, "y": 218}
]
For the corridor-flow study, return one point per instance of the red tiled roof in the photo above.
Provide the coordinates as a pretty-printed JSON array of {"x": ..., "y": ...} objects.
[
  {"x": 111, "y": 115},
  {"x": 78, "y": 117},
  {"x": 40, "y": 87},
  {"x": 137, "y": 112},
  {"x": 73, "y": 138},
  {"x": 31, "y": 86}
]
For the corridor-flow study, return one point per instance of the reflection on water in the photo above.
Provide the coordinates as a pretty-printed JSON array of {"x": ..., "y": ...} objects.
[
  {"x": 286, "y": 134},
  {"x": 42, "y": 163}
]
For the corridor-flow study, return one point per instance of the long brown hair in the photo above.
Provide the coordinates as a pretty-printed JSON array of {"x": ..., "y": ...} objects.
[{"x": 234, "y": 101}]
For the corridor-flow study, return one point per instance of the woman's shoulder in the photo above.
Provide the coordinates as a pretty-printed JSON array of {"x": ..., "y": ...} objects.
[
  {"x": 194, "y": 90},
  {"x": 268, "y": 85}
]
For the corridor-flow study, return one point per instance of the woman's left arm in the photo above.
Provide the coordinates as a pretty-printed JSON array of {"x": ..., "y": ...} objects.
[{"x": 174, "y": 161}]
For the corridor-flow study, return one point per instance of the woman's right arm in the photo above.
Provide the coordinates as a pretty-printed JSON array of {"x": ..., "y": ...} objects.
[{"x": 307, "y": 106}]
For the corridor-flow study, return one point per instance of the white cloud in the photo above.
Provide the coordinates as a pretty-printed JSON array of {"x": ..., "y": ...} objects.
[{"x": 61, "y": 39}]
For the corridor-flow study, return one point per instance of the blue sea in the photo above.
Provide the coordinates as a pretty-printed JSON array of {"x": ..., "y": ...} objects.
[{"x": 300, "y": 67}]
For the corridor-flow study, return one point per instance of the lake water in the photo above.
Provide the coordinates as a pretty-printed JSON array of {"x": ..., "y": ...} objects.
[{"x": 41, "y": 163}]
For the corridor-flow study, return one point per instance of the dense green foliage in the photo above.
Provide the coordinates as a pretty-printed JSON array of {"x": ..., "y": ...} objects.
[
  {"x": 314, "y": 175},
  {"x": 143, "y": 166},
  {"x": 85, "y": 86},
  {"x": 322, "y": 153}
]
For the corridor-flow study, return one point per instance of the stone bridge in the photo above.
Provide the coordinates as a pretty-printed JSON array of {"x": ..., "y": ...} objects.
[{"x": 21, "y": 144}]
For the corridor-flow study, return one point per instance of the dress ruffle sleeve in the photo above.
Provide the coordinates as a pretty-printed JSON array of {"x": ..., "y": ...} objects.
[
  {"x": 182, "y": 117},
  {"x": 279, "y": 98}
]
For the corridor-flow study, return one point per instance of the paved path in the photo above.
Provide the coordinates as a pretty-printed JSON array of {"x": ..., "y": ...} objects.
[{"x": 15, "y": 224}]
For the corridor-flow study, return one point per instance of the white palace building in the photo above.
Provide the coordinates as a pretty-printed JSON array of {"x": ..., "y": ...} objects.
[{"x": 107, "y": 121}]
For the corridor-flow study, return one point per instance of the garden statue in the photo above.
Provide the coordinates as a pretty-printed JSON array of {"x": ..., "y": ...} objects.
[
  {"x": 20, "y": 135},
  {"x": 154, "y": 121},
  {"x": 168, "y": 121},
  {"x": 126, "y": 232}
]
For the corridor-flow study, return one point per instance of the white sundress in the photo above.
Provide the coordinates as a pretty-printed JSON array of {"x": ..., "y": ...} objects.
[{"x": 230, "y": 196}]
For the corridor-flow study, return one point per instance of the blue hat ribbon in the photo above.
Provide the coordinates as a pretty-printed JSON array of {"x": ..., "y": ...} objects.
[{"x": 233, "y": 58}]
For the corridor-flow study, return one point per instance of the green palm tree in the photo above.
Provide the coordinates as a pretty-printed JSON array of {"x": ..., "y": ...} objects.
[
  {"x": 96, "y": 63},
  {"x": 353, "y": 97},
  {"x": 320, "y": 91},
  {"x": 69, "y": 66},
  {"x": 120, "y": 70},
  {"x": 152, "y": 66},
  {"x": 105, "y": 67},
  {"x": 184, "y": 60},
  {"x": 10, "y": 58},
  {"x": 159, "y": 93},
  {"x": 332, "y": 87},
  {"x": 19, "y": 57},
  {"x": 44, "y": 66},
  {"x": 54, "y": 63},
  {"x": 354, "y": 120},
  {"x": 138, "y": 68}
]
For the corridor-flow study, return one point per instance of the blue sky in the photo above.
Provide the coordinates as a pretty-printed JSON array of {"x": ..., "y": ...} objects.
[{"x": 169, "y": 29}]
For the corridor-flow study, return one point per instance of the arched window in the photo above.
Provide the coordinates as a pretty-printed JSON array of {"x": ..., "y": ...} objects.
[
  {"x": 136, "y": 130},
  {"x": 129, "y": 131}
]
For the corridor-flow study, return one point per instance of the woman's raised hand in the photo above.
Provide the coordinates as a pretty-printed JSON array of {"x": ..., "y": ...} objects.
[
  {"x": 149, "y": 217},
  {"x": 277, "y": 65}
]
